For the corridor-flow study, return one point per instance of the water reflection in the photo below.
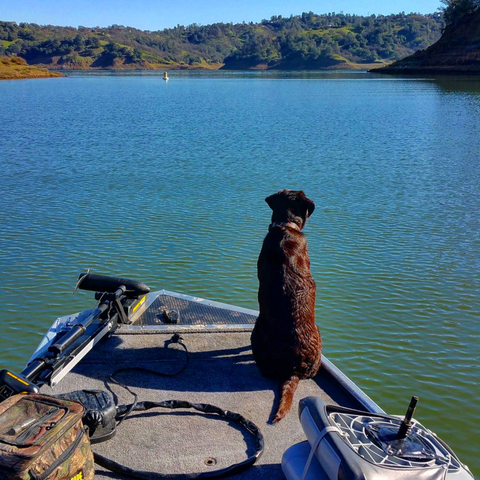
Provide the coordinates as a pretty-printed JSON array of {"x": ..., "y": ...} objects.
[{"x": 134, "y": 177}]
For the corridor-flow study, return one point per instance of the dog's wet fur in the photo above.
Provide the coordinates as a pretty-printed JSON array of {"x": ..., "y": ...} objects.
[{"x": 286, "y": 343}]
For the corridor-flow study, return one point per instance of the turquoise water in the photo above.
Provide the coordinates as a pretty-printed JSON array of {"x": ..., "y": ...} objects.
[{"x": 165, "y": 183}]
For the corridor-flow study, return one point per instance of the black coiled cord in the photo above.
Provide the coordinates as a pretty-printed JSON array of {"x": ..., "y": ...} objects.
[{"x": 123, "y": 411}]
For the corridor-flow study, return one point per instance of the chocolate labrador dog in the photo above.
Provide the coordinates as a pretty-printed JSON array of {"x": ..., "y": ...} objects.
[{"x": 286, "y": 343}]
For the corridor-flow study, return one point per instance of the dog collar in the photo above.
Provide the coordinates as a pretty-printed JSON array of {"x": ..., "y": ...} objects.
[{"x": 284, "y": 224}]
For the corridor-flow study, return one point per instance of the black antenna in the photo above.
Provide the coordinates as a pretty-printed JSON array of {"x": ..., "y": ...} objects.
[{"x": 407, "y": 421}]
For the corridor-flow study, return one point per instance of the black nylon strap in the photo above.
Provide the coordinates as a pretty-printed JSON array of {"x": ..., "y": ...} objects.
[{"x": 249, "y": 426}]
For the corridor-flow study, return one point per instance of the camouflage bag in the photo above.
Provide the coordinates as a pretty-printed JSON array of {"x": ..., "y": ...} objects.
[{"x": 43, "y": 438}]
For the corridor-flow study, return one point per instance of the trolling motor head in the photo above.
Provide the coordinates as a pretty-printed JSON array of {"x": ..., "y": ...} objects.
[{"x": 103, "y": 283}]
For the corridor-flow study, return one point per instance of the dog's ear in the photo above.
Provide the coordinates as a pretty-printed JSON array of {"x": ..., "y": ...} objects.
[
  {"x": 272, "y": 200},
  {"x": 309, "y": 206}
]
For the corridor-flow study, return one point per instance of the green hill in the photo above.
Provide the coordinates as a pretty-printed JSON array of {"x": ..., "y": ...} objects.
[{"x": 306, "y": 41}]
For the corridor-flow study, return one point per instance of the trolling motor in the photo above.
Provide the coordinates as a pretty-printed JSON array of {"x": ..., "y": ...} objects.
[{"x": 118, "y": 299}]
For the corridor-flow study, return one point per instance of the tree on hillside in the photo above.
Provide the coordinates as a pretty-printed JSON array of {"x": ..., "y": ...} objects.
[
  {"x": 296, "y": 41},
  {"x": 456, "y": 9}
]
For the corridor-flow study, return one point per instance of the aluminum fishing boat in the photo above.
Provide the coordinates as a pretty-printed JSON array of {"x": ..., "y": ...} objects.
[{"x": 220, "y": 372}]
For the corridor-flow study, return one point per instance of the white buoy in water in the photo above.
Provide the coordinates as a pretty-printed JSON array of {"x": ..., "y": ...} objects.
[{"x": 165, "y": 76}]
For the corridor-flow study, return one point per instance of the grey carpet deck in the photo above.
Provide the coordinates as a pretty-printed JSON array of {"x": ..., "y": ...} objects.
[{"x": 221, "y": 372}]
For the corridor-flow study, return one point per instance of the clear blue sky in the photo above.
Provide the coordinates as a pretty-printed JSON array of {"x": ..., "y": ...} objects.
[{"x": 159, "y": 14}]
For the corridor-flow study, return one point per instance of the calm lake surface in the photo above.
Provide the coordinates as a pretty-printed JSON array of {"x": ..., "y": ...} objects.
[{"x": 165, "y": 183}]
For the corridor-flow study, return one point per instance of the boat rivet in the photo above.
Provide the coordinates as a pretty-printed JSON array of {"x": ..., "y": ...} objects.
[{"x": 210, "y": 461}]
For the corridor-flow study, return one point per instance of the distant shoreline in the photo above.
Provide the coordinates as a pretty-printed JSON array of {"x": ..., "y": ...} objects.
[
  {"x": 425, "y": 71},
  {"x": 339, "y": 66}
]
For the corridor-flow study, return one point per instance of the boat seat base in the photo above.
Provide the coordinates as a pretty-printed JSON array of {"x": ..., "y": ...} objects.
[{"x": 295, "y": 459}]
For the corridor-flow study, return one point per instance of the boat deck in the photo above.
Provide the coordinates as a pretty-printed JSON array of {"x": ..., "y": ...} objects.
[{"x": 221, "y": 371}]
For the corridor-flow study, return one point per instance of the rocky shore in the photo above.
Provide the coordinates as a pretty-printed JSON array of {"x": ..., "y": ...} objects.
[{"x": 457, "y": 52}]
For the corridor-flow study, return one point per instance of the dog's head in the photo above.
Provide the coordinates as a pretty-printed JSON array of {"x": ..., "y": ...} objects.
[{"x": 290, "y": 206}]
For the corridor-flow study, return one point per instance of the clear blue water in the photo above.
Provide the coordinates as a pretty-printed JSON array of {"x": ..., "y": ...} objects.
[{"x": 165, "y": 183}]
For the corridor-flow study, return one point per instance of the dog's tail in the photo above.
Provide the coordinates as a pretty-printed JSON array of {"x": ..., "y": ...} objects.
[{"x": 287, "y": 389}]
